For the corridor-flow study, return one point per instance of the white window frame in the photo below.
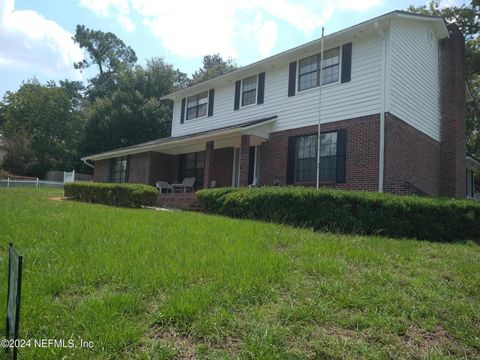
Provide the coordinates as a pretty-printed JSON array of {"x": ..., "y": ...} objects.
[
  {"x": 297, "y": 80},
  {"x": 256, "y": 92},
  {"x": 196, "y": 95}
]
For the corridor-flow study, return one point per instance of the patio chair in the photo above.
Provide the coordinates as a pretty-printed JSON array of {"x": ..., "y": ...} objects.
[
  {"x": 186, "y": 184},
  {"x": 160, "y": 185}
]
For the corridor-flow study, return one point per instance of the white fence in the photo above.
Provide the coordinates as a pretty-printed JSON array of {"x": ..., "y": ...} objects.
[
  {"x": 14, "y": 183},
  {"x": 68, "y": 176}
]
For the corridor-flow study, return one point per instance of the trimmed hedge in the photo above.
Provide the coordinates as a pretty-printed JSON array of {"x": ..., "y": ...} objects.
[
  {"x": 124, "y": 195},
  {"x": 356, "y": 212}
]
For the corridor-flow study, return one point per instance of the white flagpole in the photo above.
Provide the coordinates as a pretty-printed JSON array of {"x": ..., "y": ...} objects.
[{"x": 319, "y": 109}]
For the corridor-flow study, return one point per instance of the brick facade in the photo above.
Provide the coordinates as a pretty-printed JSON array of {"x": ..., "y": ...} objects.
[
  {"x": 145, "y": 168},
  {"x": 139, "y": 170},
  {"x": 161, "y": 168},
  {"x": 101, "y": 170},
  {"x": 361, "y": 160},
  {"x": 223, "y": 166},
  {"x": 452, "y": 99},
  {"x": 209, "y": 160},
  {"x": 411, "y": 159},
  {"x": 244, "y": 160}
]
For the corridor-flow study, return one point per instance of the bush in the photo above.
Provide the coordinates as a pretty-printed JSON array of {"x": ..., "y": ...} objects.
[
  {"x": 356, "y": 212},
  {"x": 125, "y": 195}
]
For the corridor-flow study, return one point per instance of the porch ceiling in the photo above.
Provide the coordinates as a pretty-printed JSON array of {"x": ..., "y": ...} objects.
[{"x": 258, "y": 130}]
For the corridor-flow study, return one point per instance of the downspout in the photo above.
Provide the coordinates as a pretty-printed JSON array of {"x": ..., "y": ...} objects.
[
  {"x": 381, "y": 152},
  {"x": 88, "y": 164}
]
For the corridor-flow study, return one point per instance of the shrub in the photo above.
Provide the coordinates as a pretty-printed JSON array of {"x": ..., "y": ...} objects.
[
  {"x": 355, "y": 212},
  {"x": 212, "y": 199},
  {"x": 125, "y": 195}
]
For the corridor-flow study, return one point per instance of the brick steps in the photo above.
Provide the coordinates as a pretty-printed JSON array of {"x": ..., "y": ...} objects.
[{"x": 183, "y": 201}]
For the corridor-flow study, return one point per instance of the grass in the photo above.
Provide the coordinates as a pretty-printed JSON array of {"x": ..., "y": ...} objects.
[{"x": 142, "y": 284}]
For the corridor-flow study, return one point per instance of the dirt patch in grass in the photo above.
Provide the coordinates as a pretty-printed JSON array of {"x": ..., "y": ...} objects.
[
  {"x": 184, "y": 345},
  {"x": 420, "y": 343},
  {"x": 187, "y": 346},
  {"x": 59, "y": 198}
]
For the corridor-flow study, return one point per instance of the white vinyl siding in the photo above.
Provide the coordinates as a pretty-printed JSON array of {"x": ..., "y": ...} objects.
[
  {"x": 359, "y": 97},
  {"x": 414, "y": 76}
]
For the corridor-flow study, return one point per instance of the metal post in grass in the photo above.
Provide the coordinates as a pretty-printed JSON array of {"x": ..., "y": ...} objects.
[{"x": 15, "y": 263}]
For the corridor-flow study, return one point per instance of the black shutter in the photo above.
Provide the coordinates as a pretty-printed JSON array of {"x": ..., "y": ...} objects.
[
  {"x": 251, "y": 164},
  {"x": 292, "y": 78},
  {"x": 236, "y": 105},
  {"x": 291, "y": 160},
  {"x": 346, "y": 62},
  {"x": 127, "y": 171},
  {"x": 211, "y": 96},
  {"x": 182, "y": 114},
  {"x": 261, "y": 87},
  {"x": 341, "y": 155}
]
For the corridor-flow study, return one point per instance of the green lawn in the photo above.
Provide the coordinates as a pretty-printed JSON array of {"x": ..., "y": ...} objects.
[{"x": 149, "y": 284}]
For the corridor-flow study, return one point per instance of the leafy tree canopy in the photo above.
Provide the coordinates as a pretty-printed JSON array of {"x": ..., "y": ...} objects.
[
  {"x": 133, "y": 113},
  {"x": 213, "y": 66},
  {"x": 108, "y": 53},
  {"x": 42, "y": 129}
]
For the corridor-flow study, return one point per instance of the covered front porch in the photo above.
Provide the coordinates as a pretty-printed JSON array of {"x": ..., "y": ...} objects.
[
  {"x": 214, "y": 160},
  {"x": 223, "y": 157}
]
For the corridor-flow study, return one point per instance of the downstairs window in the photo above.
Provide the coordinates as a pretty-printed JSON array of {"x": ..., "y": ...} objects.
[{"x": 119, "y": 169}]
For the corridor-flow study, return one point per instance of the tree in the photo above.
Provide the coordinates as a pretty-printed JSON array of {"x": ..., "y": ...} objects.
[
  {"x": 108, "y": 53},
  {"x": 133, "y": 113},
  {"x": 42, "y": 129},
  {"x": 213, "y": 66},
  {"x": 75, "y": 90},
  {"x": 468, "y": 20}
]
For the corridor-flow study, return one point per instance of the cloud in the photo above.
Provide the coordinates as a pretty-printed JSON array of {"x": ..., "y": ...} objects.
[
  {"x": 265, "y": 33},
  {"x": 29, "y": 41},
  {"x": 451, "y": 3},
  {"x": 192, "y": 28},
  {"x": 358, "y": 5},
  {"x": 118, "y": 9},
  {"x": 107, "y": 7}
]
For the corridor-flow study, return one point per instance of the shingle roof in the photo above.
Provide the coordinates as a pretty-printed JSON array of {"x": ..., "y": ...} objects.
[{"x": 189, "y": 136}]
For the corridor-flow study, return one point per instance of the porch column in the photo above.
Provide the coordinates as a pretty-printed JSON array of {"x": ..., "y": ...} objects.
[
  {"x": 244, "y": 160},
  {"x": 208, "y": 170}
]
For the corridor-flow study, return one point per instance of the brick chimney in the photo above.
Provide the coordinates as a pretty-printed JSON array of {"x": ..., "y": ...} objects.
[{"x": 452, "y": 101}]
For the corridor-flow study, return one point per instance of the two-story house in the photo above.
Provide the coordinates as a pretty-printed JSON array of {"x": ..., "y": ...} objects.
[{"x": 391, "y": 109}]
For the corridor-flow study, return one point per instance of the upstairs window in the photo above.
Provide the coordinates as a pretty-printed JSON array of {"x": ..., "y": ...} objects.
[
  {"x": 119, "y": 169},
  {"x": 309, "y": 74},
  {"x": 197, "y": 106},
  {"x": 249, "y": 90}
]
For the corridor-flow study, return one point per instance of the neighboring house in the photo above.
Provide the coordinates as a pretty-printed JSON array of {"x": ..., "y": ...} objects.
[{"x": 392, "y": 116}]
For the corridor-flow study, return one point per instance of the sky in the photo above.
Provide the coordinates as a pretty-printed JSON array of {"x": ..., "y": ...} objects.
[{"x": 36, "y": 35}]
